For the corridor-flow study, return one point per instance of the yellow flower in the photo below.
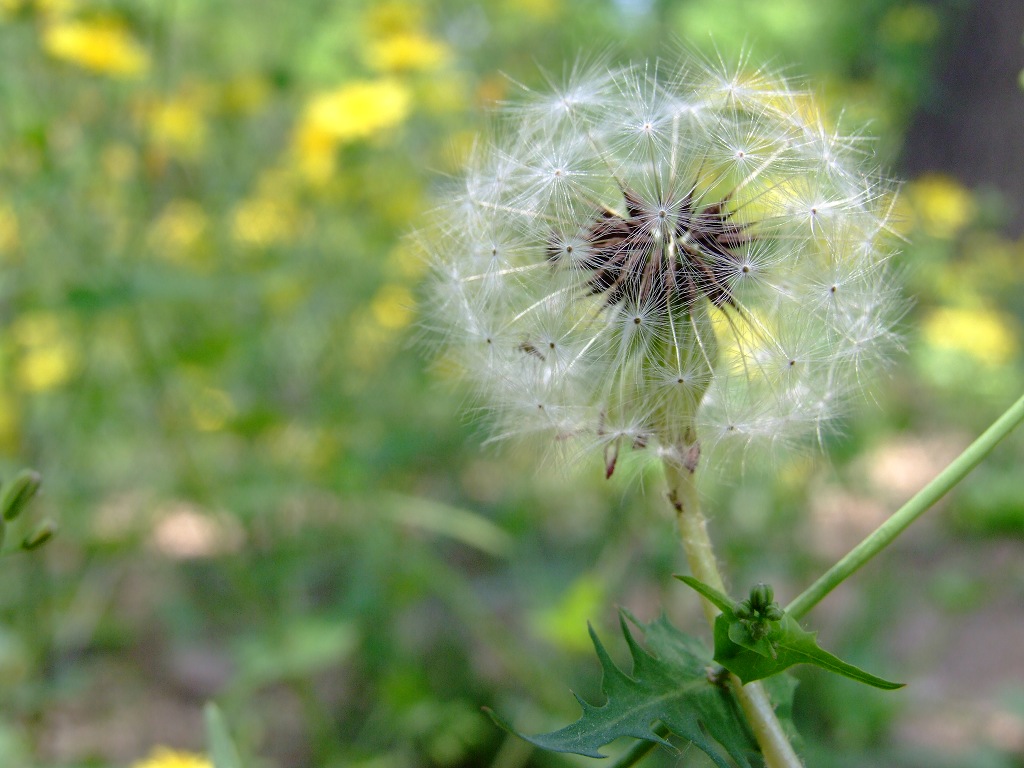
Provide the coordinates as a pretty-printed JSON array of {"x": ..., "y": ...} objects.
[
  {"x": 354, "y": 111},
  {"x": 101, "y": 46},
  {"x": 161, "y": 757},
  {"x": 942, "y": 205},
  {"x": 9, "y": 8},
  {"x": 177, "y": 127},
  {"x": 264, "y": 221},
  {"x": 245, "y": 95},
  {"x": 178, "y": 229},
  {"x": 9, "y": 233},
  {"x": 49, "y": 359},
  {"x": 392, "y": 307},
  {"x": 406, "y": 51},
  {"x": 987, "y": 336},
  {"x": 358, "y": 110},
  {"x": 390, "y": 17}
]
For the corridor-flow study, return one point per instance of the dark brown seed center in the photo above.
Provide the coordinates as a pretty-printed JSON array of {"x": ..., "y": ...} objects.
[{"x": 632, "y": 263}]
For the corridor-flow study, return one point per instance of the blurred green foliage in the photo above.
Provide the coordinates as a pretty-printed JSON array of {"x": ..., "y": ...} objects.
[{"x": 267, "y": 496}]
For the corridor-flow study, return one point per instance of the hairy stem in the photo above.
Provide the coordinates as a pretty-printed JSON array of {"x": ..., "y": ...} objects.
[
  {"x": 923, "y": 500},
  {"x": 775, "y": 747}
]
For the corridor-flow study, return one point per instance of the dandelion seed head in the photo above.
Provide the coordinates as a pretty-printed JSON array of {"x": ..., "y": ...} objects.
[{"x": 665, "y": 260}]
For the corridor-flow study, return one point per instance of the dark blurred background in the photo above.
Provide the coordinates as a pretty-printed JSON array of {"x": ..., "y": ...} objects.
[{"x": 270, "y": 498}]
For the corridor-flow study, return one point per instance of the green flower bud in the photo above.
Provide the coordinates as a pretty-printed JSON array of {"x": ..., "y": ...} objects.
[
  {"x": 743, "y": 609},
  {"x": 19, "y": 493},
  {"x": 41, "y": 534},
  {"x": 761, "y": 596},
  {"x": 774, "y": 613}
]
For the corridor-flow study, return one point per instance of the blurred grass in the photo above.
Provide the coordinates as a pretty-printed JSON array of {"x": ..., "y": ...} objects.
[{"x": 207, "y": 314}]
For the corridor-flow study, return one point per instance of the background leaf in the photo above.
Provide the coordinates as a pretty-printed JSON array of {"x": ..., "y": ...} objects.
[{"x": 222, "y": 747}]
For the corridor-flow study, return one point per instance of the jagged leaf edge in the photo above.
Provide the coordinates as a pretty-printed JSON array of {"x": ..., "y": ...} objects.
[
  {"x": 797, "y": 645},
  {"x": 800, "y": 645},
  {"x": 571, "y": 738}
]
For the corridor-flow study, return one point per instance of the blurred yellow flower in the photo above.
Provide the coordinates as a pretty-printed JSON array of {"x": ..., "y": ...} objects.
[
  {"x": 178, "y": 229},
  {"x": 264, "y": 221},
  {"x": 245, "y": 95},
  {"x": 392, "y": 307},
  {"x": 103, "y": 46},
  {"x": 406, "y": 51},
  {"x": 9, "y": 233},
  {"x": 941, "y": 204},
  {"x": 161, "y": 757},
  {"x": 372, "y": 334},
  {"x": 48, "y": 357},
  {"x": 354, "y": 111},
  {"x": 177, "y": 126},
  {"x": 45, "y": 368},
  {"x": 987, "y": 336},
  {"x": 393, "y": 16}
]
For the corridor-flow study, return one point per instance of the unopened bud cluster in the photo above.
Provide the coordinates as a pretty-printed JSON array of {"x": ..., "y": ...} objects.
[
  {"x": 14, "y": 498},
  {"x": 652, "y": 253}
]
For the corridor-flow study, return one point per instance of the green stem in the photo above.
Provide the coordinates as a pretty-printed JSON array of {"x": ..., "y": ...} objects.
[
  {"x": 882, "y": 536},
  {"x": 754, "y": 701}
]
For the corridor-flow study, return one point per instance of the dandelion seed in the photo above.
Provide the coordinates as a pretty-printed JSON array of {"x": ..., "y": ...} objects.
[{"x": 674, "y": 259}]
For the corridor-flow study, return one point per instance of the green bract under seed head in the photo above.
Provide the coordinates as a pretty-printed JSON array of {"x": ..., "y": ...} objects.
[{"x": 651, "y": 255}]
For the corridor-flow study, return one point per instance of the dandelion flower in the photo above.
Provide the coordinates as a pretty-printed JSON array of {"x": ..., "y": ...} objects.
[
  {"x": 355, "y": 111},
  {"x": 103, "y": 46},
  {"x": 162, "y": 757},
  {"x": 665, "y": 259}
]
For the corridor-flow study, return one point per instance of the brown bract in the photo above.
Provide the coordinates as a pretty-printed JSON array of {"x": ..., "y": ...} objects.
[{"x": 659, "y": 256}]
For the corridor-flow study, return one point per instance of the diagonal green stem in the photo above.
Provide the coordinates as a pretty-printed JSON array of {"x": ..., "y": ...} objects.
[
  {"x": 882, "y": 536},
  {"x": 754, "y": 701}
]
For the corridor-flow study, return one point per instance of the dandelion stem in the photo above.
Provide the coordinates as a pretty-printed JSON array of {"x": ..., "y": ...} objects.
[
  {"x": 700, "y": 554},
  {"x": 923, "y": 500}
]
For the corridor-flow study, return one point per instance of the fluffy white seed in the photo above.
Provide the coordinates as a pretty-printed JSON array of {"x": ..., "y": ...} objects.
[{"x": 645, "y": 256}]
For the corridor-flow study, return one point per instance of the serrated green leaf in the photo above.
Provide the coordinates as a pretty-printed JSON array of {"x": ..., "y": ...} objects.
[
  {"x": 792, "y": 644},
  {"x": 754, "y": 656},
  {"x": 669, "y": 684},
  {"x": 222, "y": 749}
]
